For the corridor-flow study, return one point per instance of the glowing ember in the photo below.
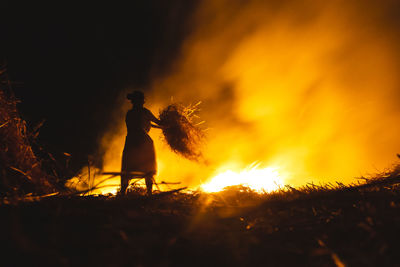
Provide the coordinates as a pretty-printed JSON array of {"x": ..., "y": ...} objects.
[{"x": 260, "y": 180}]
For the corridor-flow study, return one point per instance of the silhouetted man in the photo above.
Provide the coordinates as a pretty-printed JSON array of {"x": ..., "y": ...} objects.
[{"x": 139, "y": 154}]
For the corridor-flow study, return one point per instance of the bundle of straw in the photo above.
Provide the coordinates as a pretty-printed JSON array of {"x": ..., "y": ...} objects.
[{"x": 180, "y": 132}]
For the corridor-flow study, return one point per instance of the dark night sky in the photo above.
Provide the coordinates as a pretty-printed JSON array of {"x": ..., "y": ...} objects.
[{"x": 74, "y": 60}]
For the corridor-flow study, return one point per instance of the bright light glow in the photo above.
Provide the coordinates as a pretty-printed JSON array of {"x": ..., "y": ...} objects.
[{"x": 261, "y": 180}]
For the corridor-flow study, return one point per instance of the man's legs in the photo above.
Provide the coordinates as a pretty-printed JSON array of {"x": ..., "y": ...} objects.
[
  {"x": 124, "y": 184},
  {"x": 149, "y": 183}
]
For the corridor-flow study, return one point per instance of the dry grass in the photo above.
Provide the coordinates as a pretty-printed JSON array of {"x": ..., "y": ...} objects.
[
  {"x": 317, "y": 225},
  {"x": 20, "y": 169},
  {"x": 180, "y": 132}
]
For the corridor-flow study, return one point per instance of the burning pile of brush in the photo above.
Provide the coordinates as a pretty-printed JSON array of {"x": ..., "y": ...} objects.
[{"x": 181, "y": 133}]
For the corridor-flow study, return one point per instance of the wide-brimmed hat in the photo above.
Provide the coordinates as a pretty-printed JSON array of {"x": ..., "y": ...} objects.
[{"x": 135, "y": 96}]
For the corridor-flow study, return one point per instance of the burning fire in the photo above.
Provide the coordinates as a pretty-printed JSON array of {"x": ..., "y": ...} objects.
[
  {"x": 261, "y": 180},
  {"x": 315, "y": 94}
]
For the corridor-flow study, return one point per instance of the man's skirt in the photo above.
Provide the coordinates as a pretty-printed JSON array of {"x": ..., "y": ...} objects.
[{"x": 139, "y": 154}]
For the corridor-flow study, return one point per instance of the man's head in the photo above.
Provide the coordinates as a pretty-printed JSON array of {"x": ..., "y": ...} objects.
[{"x": 136, "y": 97}]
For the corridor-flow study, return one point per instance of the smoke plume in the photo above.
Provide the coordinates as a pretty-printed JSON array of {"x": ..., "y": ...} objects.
[{"x": 310, "y": 87}]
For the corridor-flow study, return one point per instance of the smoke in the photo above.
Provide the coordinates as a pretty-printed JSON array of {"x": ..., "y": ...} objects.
[{"x": 308, "y": 86}]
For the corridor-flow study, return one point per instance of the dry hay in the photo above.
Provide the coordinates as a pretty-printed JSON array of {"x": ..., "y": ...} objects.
[
  {"x": 20, "y": 169},
  {"x": 180, "y": 132}
]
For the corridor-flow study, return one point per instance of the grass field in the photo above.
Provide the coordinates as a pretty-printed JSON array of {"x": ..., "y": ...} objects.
[{"x": 312, "y": 226}]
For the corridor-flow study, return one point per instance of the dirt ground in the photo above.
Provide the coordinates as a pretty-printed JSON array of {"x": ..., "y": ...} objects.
[{"x": 318, "y": 226}]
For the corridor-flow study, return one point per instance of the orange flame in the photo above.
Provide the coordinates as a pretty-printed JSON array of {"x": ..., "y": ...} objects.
[{"x": 259, "y": 179}]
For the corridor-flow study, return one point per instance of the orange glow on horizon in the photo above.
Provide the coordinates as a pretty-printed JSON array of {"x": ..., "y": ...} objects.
[
  {"x": 258, "y": 179},
  {"x": 261, "y": 180}
]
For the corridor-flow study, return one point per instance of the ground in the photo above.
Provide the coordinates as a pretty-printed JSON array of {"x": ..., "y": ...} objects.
[{"x": 314, "y": 226}]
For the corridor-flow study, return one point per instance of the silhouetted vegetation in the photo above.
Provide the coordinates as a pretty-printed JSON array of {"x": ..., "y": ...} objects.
[
  {"x": 20, "y": 170},
  {"x": 315, "y": 225}
]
